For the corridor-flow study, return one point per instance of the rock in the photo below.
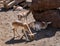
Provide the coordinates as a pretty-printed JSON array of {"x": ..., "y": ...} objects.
[{"x": 17, "y": 8}]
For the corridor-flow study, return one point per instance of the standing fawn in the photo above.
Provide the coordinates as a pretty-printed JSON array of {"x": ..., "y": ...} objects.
[{"x": 26, "y": 29}]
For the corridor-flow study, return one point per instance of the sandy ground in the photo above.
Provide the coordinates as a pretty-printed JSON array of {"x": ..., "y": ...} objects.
[{"x": 47, "y": 37}]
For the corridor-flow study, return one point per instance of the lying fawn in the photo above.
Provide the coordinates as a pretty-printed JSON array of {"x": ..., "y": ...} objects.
[{"x": 49, "y": 16}]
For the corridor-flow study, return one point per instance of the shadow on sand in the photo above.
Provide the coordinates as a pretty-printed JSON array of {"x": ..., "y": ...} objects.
[
  {"x": 12, "y": 41},
  {"x": 5, "y": 10},
  {"x": 47, "y": 33}
]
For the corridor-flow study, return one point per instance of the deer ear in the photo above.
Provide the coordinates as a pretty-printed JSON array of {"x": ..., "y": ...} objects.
[
  {"x": 46, "y": 22},
  {"x": 49, "y": 22},
  {"x": 43, "y": 22}
]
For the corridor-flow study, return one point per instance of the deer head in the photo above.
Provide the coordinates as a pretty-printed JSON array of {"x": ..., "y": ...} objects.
[{"x": 39, "y": 25}]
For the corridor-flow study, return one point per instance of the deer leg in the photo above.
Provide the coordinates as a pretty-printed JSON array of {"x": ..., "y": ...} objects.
[
  {"x": 17, "y": 33},
  {"x": 31, "y": 35},
  {"x": 29, "y": 29},
  {"x": 14, "y": 32},
  {"x": 25, "y": 34}
]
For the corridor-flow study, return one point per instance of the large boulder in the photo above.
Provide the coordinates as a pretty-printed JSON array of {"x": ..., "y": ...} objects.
[{"x": 44, "y": 4}]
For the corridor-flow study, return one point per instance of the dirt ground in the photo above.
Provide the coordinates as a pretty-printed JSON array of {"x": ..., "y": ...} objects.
[{"x": 47, "y": 37}]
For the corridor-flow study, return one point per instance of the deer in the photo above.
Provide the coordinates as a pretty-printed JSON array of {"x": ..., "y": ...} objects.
[
  {"x": 25, "y": 30},
  {"x": 52, "y": 16}
]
